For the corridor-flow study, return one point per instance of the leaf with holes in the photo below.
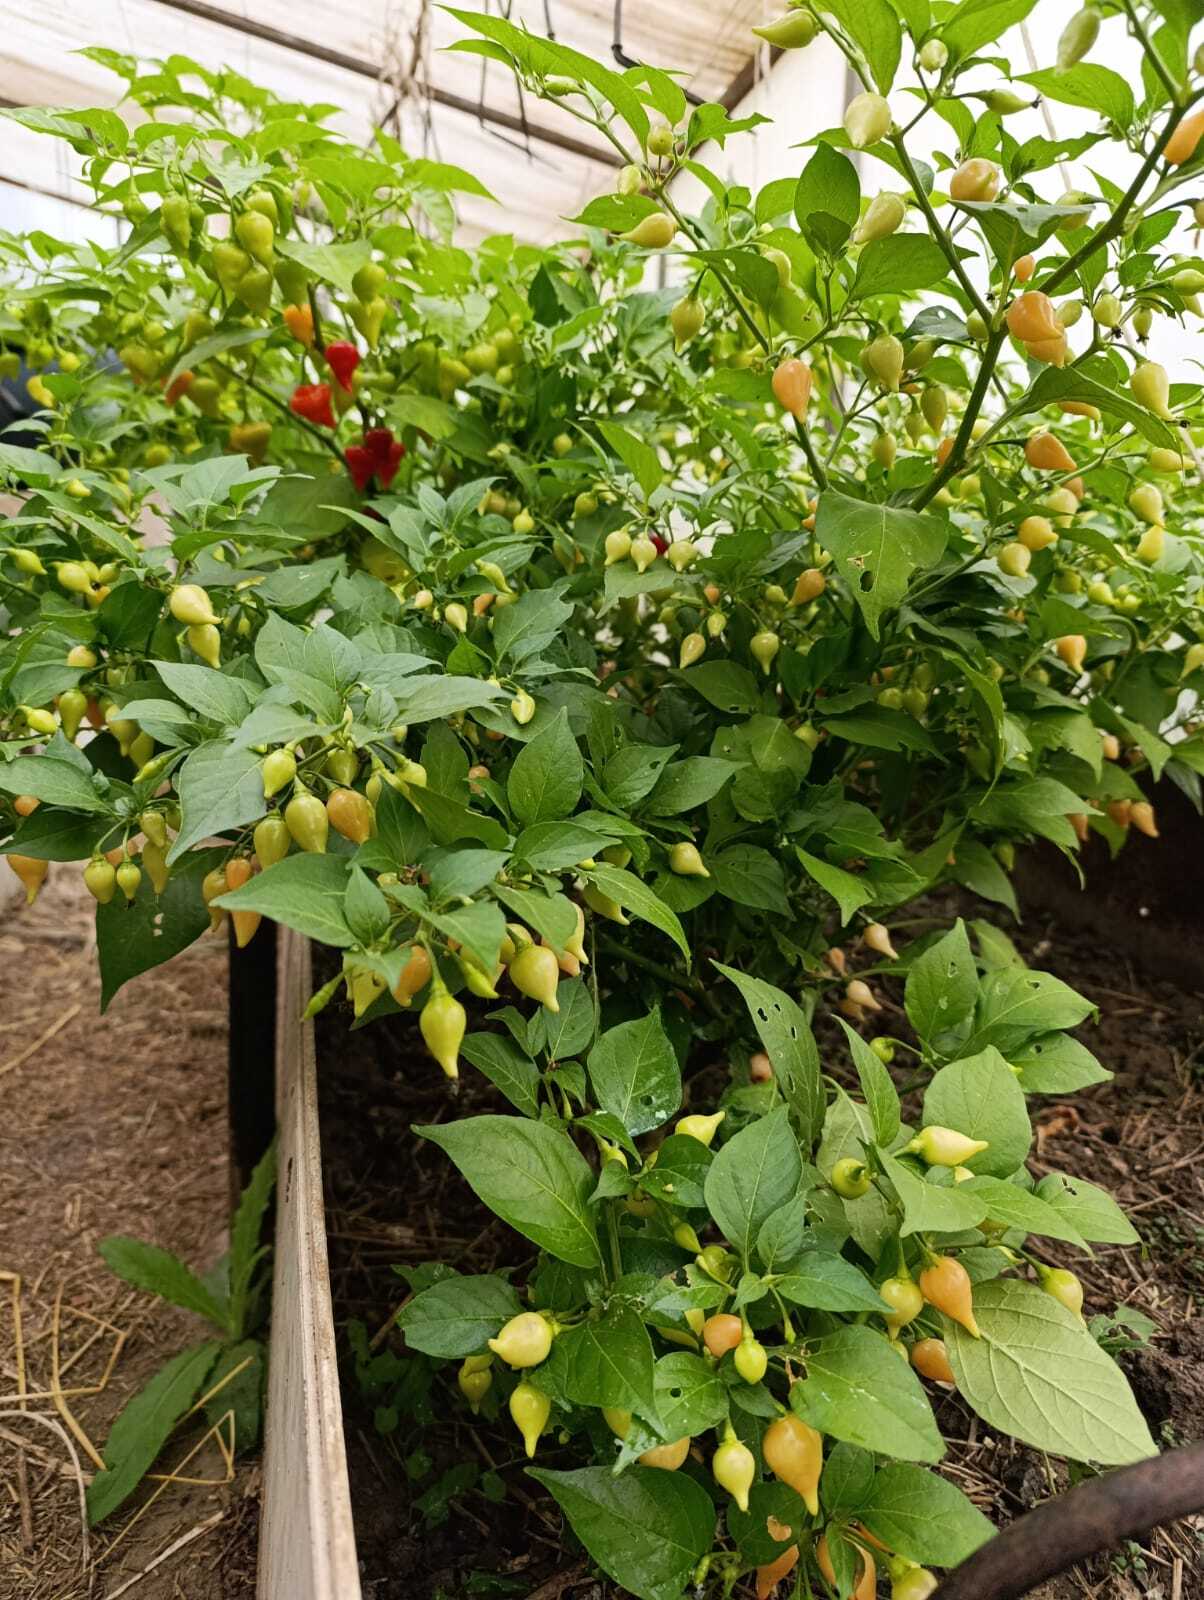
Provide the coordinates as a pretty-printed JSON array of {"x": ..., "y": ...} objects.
[{"x": 877, "y": 548}]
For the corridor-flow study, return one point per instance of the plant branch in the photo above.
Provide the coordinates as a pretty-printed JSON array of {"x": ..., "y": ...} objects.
[
  {"x": 939, "y": 233},
  {"x": 282, "y": 405}
]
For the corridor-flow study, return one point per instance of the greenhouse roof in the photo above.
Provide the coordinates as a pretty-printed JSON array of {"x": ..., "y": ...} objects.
[{"x": 386, "y": 63}]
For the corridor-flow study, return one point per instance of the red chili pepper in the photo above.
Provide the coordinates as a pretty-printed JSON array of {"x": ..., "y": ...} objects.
[
  {"x": 386, "y": 453},
  {"x": 343, "y": 358},
  {"x": 661, "y": 544},
  {"x": 312, "y": 401},
  {"x": 361, "y": 464}
]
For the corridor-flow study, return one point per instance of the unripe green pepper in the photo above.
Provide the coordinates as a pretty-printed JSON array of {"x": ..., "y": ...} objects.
[
  {"x": 850, "y": 1178},
  {"x": 750, "y": 1359},
  {"x": 866, "y": 120},
  {"x": 903, "y": 1296},
  {"x": 475, "y": 1379},
  {"x": 535, "y": 972},
  {"x": 1078, "y": 36},
  {"x": 530, "y": 1409},
  {"x": 1062, "y": 1286},
  {"x": 884, "y": 216},
  {"x": 443, "y": 1022},
  {"x": 701, "y": 1128},
  {"x": 306, "y": 820},
  {"x": 686, "y": 862},
  {"x": 257, "y": 233},
  {"x": 944, "y": 1147},
  {"x": 100, "y": 880}
]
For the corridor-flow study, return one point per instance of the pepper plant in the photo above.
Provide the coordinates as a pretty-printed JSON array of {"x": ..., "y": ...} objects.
[{"x": 604, "y": 670}]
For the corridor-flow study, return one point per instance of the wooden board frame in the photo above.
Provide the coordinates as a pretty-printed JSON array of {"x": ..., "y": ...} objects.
[{"x": 307, "y": 1537}]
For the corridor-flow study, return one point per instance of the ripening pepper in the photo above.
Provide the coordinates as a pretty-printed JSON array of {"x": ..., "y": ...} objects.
[
  {"x": 127, "y": 878},
  {"x": 1063, "y": 1286},
  {"x": 369, "y": 317},
  {"x": 279, "y": 768},
  {"x": 699, "y": 1127},
  {"x": 944, "y": 1147},
  {"x": 734, "y": 1468},
  {"x": 722, "y": 1332},
  {"x": 945, "y": 1284},
  {"x": 350, "y": 814},
  {"x": 975, "y": 180},
  {"x": 791, "y": 384},
  {"x": 686, "y": 320},
  {"x": 905, "y": 1300},
  {"x": 522, "y": 707},
  {"x": 205, "y": 394},
  {"x": 31, "y": 872},
  {"x": 692, "y": 649},
  {"x": 771, "y": 1573},
  {"x": 100, "y": 879},
  {"x": 73, "y": 707},
  {"x": 917, "y": 1583},
  {"x": 866, "y": 120},
  {"x": 866, "y": 1586},
  {"x": 1077, "y": 37},
  {"x": 530, "y": 1409},
  {"x": 442, "y": 1023},
  {"x": 1150, "y": 387},
  {"x": 1046, "y": 453},
  {"x": 686, "y": 862},
  {"x": 475, "y": 1379},
  {"x": 930, "y": 1358},
  {"x": 794, "y": 31},
  {"x": 1072, "y": 651},
  {"x": 250, "y": 439},
  {"x": 1036, "y": 533},
  {"x": 415, "y": 975},
  {"x": 764, "y": 647},
  {"x": 312, "y": 401},
  {"x": 652, "y": 232},
  {"x": 306, "y": 820},
  {"x": 246, "y": 923},
  {"x": 535, "y": 972},
  {"x": 1183, "y": 143},
  {"x": 524, "y": 1341},
  {"x": 299, "y": 320},
  {"x": 751, "y": 1360},
  {"x": 1031, "y": 316},
  {"x": 230, "y": 261},
  {"x": 883, "y": 217},
  {"x": 794, "y": 1452},
  {"x": 206, "y": 642}
]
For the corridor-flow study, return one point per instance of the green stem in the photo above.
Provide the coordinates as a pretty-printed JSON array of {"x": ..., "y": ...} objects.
[
  {"x": 938, "y": 232},
  {"x": 1151, "y": 50},
  {"x": 953, "y": 460},
  {"x": 282, "y": 405}
]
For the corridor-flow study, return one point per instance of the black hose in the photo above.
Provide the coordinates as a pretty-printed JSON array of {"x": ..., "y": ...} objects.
[{"x": 1091, "y": 1518}]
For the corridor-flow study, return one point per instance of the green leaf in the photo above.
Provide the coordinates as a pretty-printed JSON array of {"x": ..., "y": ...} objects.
[
  {"x": 143, "y": 1425},
  {"x": 1089, "y": 1209},
  {"x": 874, "y": 26},
  {"x": 690, "y": 1394},
  {"x": 149, "y": 1267},
  {"x": 848, "y": 890},
  {"x": 1015, "y": 1003},
  {"x": 221, "y": 698},
  {"x": 532, "y": 1175},
  {"x": 788, "y": 1041},
  {"x": 546, "y": 779},
  {"x": 647, "y": 1529},
  {"x": 215, "y": 345},
  {"x": 529, "y": 625},
  {"x": 246, "y": 1229},
  {"x": 305, "y": 892},
  {"x": 685, "y": 785},
  {"x": 1010, "y": 1204},
  {"x": 553, "y": 846},
  {"x": 133, "y": 938},
  {"x": 607, "y": 1361},
  {"x": 54, "y": 782},
  {"x": 1086, "y": 84},
  {"x": 858, "y": 1390},
  {"x": 679, "y": 1177},
  {"x": 924, "y": 1517},
  {"x": 634, "y": 1072},
  {"x": 753, "y": 1175},
  {"x": 750, "y": 876},
  {"x": 1037, "y": 1375},
  {"x": 979, "y": 1096},
  {"x": 823, "y": 1281},
  {"x": 881, "y": 1096},
  {"x": 635, "y": 896},
  {"x": 726, "y": 685},
  {"x": 942, "y": 986},
  {"x": 456, "y": 1316},
  {"x": 639, "y": 458},
  {"x": 899, "y": 265},
  {"x": 931, "y": 1207},
  {"x": 220, "y": 787},
  {"x": 566, "y": 1032},
  {"x": 1056, "y": 1063},
  {"x": 1073, "y": 383},
  {"x": 877, "y": 548},
  {"x": 553, "y": 916},
  {"x": 241, "y": 1396},
  {"x": 974, "y": 23},
  {"x": 506, "y": 1067},
  {"x": 827, "y": 198}
]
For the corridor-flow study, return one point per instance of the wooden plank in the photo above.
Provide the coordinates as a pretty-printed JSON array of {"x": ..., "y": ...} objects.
[{"x": 307, "y": 1539}]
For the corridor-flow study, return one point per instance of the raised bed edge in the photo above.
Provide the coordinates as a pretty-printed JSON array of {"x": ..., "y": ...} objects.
[{"x": 307, "y": 1537}]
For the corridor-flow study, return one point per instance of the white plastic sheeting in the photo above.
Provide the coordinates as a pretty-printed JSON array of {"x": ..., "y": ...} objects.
[{"x": 385, "y": 61}]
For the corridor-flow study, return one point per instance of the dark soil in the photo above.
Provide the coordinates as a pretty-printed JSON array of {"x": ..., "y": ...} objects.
[
  {"x": 113, "y": 1124},
  {"x": 392, "y": 1199}
]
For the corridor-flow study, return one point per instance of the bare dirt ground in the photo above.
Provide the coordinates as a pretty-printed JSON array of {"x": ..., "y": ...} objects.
[
  {"x": 113, "y": 1124},
  {"x": 391, "y": 1198}
]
